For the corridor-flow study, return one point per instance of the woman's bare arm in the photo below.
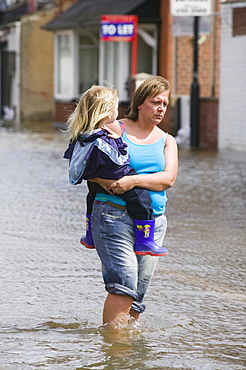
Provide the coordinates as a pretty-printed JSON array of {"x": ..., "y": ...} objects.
[{"x": 158, "y": 181}]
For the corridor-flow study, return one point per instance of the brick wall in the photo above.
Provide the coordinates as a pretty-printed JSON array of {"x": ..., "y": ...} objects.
[
  {"x": 176, "y": 64},
  {"x": 208, "y": 66},
  {"x": 36, "y": 101},
  {"x": 176, "y": 55},
  {"x": 208, "y": 122},
  {"x": 62, "y": 111},
  {"x": 36, "y": 93},
  {"x": 208, "y": 125}
]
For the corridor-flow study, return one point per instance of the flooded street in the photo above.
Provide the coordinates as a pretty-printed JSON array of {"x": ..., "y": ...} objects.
[{"x": 51, "y": 287}]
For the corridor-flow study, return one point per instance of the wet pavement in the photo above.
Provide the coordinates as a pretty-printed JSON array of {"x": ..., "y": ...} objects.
[{"x": 51, "y": 287}]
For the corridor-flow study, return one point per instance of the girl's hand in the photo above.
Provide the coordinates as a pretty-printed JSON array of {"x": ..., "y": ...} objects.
[
  {"x": 111, "y": 133},
  {"x": 105, "y": 184}
]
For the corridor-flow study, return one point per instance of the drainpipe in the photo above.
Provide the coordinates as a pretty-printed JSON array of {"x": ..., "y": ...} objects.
[
  {"x": 213, "y": 48},
  {"x": 18, "y": 70}
]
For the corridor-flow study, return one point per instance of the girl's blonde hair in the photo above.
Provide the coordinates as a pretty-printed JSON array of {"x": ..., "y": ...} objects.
[{"x": 94, "y": 105}]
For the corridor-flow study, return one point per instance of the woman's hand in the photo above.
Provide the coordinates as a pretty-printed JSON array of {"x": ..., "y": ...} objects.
[
  {"x": 122, "y": 185},
  {"x": 115, "y": 187}
]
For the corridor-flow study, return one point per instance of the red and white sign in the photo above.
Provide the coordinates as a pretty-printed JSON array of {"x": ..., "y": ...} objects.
[{"x": 119, "y": 27}]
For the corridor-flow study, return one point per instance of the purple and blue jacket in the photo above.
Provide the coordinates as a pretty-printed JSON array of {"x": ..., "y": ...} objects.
[{"x": 95, "y": 154}]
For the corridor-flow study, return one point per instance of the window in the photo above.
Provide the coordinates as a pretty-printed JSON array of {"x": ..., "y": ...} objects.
[
  {"x": 88, "y": 61},
  {"x": 239, "y": 21},
  {"x": 8, "y": 3},
  {"x": 115, "y": 66},
  {"x": 147, "y": 49},
  {"x": 64, "y": 65},
  {"x": 76, "y": 63}
]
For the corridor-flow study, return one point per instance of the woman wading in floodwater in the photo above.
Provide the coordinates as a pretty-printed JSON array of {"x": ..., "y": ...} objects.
[{"x": 153, "y": 155}]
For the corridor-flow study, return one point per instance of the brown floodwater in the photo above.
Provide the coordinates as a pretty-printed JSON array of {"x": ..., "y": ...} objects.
[{"x": 51, "y": 287}]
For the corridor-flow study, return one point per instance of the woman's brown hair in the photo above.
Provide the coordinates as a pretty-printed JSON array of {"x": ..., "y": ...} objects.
[{"x": 149, "y": 88}]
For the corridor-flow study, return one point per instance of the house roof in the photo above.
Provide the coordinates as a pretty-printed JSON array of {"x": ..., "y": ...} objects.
[
  {"x": 88, "y": 12},
  {"x": 13, "y": 13}
]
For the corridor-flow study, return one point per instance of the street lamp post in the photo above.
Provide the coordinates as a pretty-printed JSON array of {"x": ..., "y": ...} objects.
[{"x": 194, "y": 96}]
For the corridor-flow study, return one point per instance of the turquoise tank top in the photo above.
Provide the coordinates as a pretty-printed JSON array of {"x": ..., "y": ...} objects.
[{"x": 145, "y": 159}]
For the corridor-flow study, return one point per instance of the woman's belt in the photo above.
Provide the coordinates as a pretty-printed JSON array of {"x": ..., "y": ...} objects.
[{"x": 118, "y": 206}]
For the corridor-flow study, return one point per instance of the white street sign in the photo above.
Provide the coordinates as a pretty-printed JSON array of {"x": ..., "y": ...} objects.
[{"x": 191, "y": 7}]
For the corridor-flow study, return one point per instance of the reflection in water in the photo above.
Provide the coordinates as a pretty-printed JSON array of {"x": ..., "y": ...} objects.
[
  {"x": 121, "y": 344},
  {"x": 51, "y": 288}
]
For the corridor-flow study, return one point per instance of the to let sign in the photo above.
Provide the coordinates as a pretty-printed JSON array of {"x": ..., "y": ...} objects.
[
  {"x": 118, "y": 27},
  {"x": 190, "y": 7}
]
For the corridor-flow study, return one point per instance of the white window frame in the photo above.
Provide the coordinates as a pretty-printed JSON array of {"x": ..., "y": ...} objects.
[
  {"x": 151, "y": 41},
  {"x": 71, "y": 72},
  {"x": 123, "y": 67},
  {"x": 88, "y": 32}
]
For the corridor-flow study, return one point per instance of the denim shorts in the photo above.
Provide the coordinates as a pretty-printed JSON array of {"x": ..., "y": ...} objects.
[{"x": 123, "y": 271}]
